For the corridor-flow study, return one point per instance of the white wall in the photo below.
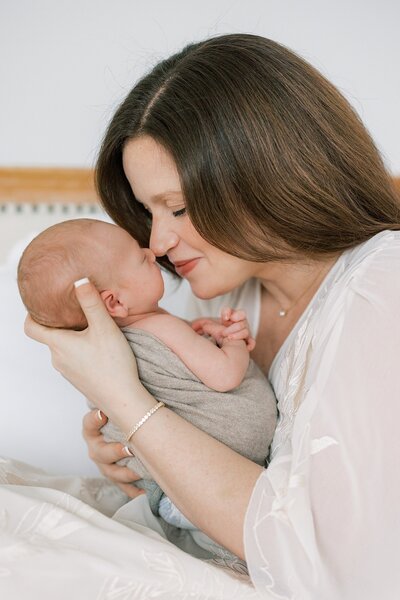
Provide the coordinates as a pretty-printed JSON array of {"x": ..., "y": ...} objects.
[{"x": 65, "y": 64}]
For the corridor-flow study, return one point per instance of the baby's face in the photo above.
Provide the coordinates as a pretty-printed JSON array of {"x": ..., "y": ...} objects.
[{"x": 135, "y": 271}]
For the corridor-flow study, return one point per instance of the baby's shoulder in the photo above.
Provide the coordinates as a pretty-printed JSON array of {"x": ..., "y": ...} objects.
[{"x": 163, "y": 325}]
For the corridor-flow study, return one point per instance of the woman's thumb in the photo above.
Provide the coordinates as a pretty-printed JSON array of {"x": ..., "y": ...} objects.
[{"x": 91, "y": 303}]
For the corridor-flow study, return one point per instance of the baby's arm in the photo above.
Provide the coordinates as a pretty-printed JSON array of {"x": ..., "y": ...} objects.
[{"x": 221, "y": 369}]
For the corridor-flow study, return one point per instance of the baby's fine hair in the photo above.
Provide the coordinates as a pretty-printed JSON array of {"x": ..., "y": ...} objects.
[{"x": 48, "y": 267}]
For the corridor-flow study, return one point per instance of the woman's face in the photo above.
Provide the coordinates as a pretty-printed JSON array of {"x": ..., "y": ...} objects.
[{"x": 155, "y": 183}]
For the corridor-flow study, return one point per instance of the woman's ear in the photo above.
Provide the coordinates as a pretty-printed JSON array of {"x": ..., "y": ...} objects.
[{"x": 114, "y": 305}]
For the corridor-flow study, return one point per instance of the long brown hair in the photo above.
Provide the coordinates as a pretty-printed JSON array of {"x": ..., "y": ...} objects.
[{"x": 274, "y": 163}]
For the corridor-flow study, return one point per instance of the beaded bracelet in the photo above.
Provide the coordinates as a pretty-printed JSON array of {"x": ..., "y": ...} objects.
[{"x": 143, "y": 420}]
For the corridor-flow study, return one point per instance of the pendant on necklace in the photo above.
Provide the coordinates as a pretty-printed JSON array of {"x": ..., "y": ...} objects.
[{"x": 282, "y": 313}]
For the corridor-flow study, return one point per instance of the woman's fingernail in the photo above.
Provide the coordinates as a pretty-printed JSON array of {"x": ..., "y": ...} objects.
[
  {"x": 100, "y": 415},
  {"x": 81, "y": 282},
  {"x": 127, "y": 451}
]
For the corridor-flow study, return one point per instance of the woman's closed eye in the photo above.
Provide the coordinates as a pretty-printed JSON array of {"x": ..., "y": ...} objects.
[{"x": 180, "y": 212}]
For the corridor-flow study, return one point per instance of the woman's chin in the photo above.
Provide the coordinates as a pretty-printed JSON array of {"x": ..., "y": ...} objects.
[{"x": 208, "y": 291}]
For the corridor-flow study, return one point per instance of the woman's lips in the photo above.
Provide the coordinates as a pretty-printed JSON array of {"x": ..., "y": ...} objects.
[{"x": 183, "y": 267}]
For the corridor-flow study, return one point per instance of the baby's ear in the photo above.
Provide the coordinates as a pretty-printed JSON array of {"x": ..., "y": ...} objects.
[{"x": 113, "y": 305}]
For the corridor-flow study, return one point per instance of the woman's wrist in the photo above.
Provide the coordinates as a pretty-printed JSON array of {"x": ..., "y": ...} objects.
[{"x": 129, "y": 408}]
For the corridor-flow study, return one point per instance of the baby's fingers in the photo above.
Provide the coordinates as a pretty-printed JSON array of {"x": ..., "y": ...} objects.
[
  {"x": 238, "y": 315},
  {"x": 226, "y": 312},
  {"x": 235, "y": 328},
  {"x": 251, "y": 344},
  {"x": 198, "y": 324},
  {"x": 231, "y": 315}
]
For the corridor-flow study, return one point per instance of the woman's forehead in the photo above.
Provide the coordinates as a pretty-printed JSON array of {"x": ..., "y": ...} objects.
[{"x": 150, "y": 170}]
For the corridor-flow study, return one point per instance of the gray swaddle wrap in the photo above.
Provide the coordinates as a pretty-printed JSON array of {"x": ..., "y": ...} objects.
[{"x": 244, "y": 418}]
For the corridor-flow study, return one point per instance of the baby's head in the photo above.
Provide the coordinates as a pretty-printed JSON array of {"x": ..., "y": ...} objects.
[{"x": 126, "y": 275}]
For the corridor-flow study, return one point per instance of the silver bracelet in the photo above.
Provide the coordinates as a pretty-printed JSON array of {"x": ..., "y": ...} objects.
[{"x": 143, "y": 420}]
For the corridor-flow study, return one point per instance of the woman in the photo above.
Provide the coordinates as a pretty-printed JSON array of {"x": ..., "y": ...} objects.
[{"x": 249, "y": 175}]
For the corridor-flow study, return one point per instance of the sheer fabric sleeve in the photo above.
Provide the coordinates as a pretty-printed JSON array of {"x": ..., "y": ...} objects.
[{"x": 323, "y": 522}]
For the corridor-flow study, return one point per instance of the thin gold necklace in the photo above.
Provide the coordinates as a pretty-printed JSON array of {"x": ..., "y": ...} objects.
[{"x": 284, "y": 311}]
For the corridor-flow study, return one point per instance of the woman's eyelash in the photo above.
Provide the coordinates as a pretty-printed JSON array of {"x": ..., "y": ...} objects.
[{"x": 180, "y": 212}]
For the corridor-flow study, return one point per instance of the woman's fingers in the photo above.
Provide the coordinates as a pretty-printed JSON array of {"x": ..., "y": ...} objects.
[
  {"x": 37, "y": 332},
  {"x": 92, "y": 422},
  {"x": 101, "y": 452},
  {"x": 106, "y": 453},
  {"x": 130, "y": 490},
  {"x": 119, "y": 474},
  {"x": 92, "y": 305}
]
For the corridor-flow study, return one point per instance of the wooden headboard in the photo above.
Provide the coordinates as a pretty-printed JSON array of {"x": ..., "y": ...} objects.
[{"x": 55, "y": 185}]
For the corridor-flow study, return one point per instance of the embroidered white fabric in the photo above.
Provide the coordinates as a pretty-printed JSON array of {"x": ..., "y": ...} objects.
[{"x": 323, "y": 519}]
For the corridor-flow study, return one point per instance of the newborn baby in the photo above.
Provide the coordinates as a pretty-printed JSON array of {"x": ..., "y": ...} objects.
[{"x": 207, "y": 384}]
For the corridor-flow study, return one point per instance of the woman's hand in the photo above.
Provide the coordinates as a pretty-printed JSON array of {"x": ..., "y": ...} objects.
[
  {"x": 233, "y": 325},
  {"x": 98, "y": 360},
  {"x": 106, "y": 454}
]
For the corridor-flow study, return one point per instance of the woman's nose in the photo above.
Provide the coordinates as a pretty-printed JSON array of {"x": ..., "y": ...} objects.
[
  {"x": 162, "y": 238},
  {"x": 151, "y": 257}
]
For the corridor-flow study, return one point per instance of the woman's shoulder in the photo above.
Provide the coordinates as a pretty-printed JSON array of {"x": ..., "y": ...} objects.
[
  {"x": 370, "y": 271},
  {"x": 385, "y": 244},
  {"x": 362, "y": 263}
]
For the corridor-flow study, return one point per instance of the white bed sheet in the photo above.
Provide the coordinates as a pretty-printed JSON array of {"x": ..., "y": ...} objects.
[{"x": 57, "y": 541}]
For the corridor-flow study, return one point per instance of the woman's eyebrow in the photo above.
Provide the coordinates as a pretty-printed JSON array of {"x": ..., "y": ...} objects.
[{"x": 163, "y": 195}]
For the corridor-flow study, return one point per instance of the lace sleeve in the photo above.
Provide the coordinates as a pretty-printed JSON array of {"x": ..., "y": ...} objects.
[{"x": 323, "y": 521}]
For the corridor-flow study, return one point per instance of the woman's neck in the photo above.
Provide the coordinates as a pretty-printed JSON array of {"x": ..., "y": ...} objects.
[{"x": 292, "y": 284}]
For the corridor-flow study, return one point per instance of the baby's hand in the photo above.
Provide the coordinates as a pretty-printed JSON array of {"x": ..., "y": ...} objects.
[
  {"x": 211, "y": 327},
  {"x": 236, "y": 326},
  {"x": 197, "y": 324},
  {"x": 233, "y": 325}
]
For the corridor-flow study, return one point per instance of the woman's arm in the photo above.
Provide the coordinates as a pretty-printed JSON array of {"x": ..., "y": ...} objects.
[{"x": 208, "y": 481}]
